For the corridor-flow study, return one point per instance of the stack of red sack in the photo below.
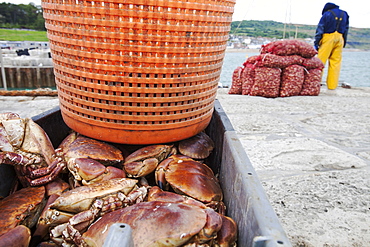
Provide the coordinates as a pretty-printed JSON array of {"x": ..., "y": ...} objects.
[{"x": 283, "y": 68}]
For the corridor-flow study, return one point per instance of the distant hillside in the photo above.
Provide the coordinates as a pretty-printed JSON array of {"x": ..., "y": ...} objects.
[{"x": 358, "y": 38}]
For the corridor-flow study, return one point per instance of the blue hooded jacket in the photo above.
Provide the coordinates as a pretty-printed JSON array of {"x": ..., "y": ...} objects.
[{"x": 328, "y": 23}]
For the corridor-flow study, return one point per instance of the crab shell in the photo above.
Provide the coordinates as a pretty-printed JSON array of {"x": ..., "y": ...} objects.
[
  {"x": 21, "y": 208},
  {"x": 81, "y": 198},
  {"x": 79, "y": 146},
  {"x": 199, "y": 146},
  {"x": 226, "y": 236},
  {"x": 153, "y": 224},
  {"x": 12, "y": 130},
  {"x": 20, "y": 236},
  {"x": 145, "y": 160},
  {"x": 9, "y": 115},
  {"x": 189, "y": 177},
  {"x": 214, "y": 220}
]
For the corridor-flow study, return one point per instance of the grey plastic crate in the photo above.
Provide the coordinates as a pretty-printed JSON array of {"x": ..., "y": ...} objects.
[
  {"x": 244, "y": 196},
  {"x": 245, "y": 199}
]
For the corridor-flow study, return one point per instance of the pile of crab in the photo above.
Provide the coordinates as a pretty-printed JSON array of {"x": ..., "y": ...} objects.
[{"x": 71, "y": 195}]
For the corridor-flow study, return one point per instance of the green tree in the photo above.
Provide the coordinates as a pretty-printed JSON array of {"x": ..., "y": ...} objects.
[{"x": 21, "y": 16}]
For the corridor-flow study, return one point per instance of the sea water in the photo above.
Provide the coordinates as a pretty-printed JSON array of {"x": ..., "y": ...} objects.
[{"x": 355, "y": 67}]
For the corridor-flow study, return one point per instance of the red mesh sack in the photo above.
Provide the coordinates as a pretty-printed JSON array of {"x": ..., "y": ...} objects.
[
  {"x": 289, "y": 47},
  {"x": 312, "y": 83},
  {"x": 268, "y": 48},
  {"x": 247, "y": 78},
  {"x": 236, "y": 84},
  {"x": 313, "y": 63},
  {"x": 251, "y": 60},
  {"x": 276, "y": 61},
  {"x": 292, "y": 81},
  {"x": 266, "y": 82}
]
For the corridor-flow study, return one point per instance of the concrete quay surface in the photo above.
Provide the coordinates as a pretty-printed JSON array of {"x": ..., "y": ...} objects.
[
  {"x": 312, "y": 156},
  {"x": 311, "y": 153}
]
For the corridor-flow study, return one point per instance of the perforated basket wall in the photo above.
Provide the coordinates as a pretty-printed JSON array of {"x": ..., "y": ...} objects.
[{"x": 137, "y": 71}]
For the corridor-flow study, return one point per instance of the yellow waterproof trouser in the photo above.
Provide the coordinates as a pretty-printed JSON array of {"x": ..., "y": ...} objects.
[{"x": 331, "y": 46}]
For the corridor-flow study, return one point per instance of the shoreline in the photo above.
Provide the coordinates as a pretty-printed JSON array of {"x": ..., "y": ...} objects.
[{"x": 231, "y": 50}]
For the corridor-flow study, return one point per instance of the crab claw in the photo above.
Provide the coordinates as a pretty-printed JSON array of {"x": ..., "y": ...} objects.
[
  {"x": 26, "y": 146},
  {"x": 227, "y": 236},
  {"x": 37, "y": 141},
  {"x": 145, "y": 160},
  {"x": 89, "y": 171}
]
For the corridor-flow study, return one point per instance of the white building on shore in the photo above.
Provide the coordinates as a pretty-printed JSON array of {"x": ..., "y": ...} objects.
[
  {"x": 25, "y": 53},
  {"x": 16, "y": 45}
]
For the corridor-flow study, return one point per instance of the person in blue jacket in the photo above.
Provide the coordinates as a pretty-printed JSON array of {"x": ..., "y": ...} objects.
[{"x": 330, "y": 39}]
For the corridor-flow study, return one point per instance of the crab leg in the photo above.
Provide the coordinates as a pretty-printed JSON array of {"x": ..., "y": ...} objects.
[
  {"x": 53, "y": 169},
  {"x": 160, "y": 174},
  {"x": 51, "y": 176},
  {"x": 79, "y": 223},
  {"x": 27, "y": 147},
  {"x": 11, "y": 158}
]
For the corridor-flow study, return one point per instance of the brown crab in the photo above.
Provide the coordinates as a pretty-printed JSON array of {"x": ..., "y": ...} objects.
[
  {"x": 74, "y": 210},
  {"x": 23, "y": 207},
  {"x": 20, "y": 236},
  {"x": 187, "y": 176},
  {"x": 226, "y": 236},
  {"x": 156, "y": 223},
  {"x": 90, "y": 160},
  {"x": 26, "y": 146},
  {"x": 53, "y": 190},
  {"x": 145, "y": 160},
  {"x": 199, "y": 146}
]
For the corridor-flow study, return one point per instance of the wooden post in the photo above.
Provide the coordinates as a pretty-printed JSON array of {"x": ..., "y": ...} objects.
[
  {"x": 38, "y": 78},
  {"x": 29, "y": 77}
]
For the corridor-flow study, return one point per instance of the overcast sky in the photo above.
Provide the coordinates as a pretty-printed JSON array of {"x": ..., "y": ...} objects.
[
  {"x": 300, "y": 11},
  {"x": 287, "y": 11}
]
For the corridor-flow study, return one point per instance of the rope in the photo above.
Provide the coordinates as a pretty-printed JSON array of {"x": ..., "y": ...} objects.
[{"x": 35, "y": 92}]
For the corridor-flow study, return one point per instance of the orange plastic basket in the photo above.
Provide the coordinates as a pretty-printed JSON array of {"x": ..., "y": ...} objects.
[{"x": 137, "y": 71}]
